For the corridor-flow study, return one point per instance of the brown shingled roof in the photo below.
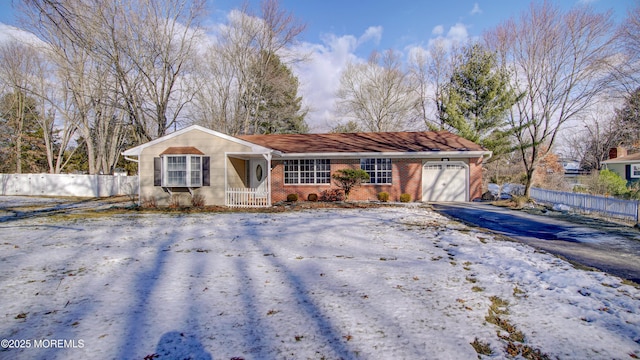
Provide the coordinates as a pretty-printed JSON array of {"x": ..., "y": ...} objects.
[
  {"x": 364, "y": 142},
  {"x": 182, "y": 150}
]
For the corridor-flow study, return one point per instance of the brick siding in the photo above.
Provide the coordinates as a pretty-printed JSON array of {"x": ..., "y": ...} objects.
[{"x": 407, "y": 178}]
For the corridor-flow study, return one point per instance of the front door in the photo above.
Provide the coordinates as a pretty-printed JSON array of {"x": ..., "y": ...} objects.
[{"x": 258, "y": 175}]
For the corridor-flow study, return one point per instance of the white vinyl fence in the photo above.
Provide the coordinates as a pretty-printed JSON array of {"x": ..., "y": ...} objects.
[
  {"x": 68, "y": 185},
  {"x": 604, "y": 205}
]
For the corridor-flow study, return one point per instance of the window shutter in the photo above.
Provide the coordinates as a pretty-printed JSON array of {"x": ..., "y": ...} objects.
[
  {"x": 627, "y": 172},
  {"x": 157, "y": 171},
  {"x": 206, "y": 181}
]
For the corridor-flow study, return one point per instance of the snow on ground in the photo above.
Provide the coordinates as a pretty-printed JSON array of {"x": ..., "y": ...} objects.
[{"x": 380, "y": 283}]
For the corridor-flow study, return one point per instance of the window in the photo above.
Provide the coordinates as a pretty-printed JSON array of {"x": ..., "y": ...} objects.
[
  {"x": 307, "y": 171},
  {"x": 182, "y": 171},
  {"x": 379, "y": 170},
  {"x": 635, "y": 170}
]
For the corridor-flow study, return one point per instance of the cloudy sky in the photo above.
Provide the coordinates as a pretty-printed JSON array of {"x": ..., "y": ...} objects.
[{"x": 339, "y": 31}]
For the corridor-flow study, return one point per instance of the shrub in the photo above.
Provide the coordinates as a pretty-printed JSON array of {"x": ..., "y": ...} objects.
[
  {"x": 383, "y": 196},
  {"x": 292, "y": 197},
  {"x": 332, "y": 195},
  {"x": 312, "y": 197},
  {"x": 612, "y": 183},
  {"x": 197, "y": 200},
  {"x": 405, "y": 198},
  {"x": 175, "y": 202},
  {"x": 149, "y": 202},
  {"x": 347, "y": 179}
]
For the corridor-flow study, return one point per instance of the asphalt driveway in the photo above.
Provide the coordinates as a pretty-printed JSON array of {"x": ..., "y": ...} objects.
[{"x": 612, "y": 249}]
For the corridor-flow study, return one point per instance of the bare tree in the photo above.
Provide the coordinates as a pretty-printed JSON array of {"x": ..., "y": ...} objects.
[
  {"x": 429, "y": 72},
  {"x": 146, "y": 44},
  {"x": 377, "y": 94},
  {"x": 234, "y": 75},
  {"x": 558, "y": 60},
  {"x": 627, "y": 70},
  {"x": 591, "y": 140}
]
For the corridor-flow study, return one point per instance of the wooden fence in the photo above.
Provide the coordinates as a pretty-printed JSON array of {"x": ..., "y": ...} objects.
[{"x": 585, "y": 203}]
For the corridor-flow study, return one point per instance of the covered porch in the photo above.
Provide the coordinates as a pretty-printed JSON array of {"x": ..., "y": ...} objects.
[{"x": 248, "y": 180}]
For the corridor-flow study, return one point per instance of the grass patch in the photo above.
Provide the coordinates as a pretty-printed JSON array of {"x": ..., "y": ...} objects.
[
  {"x": 515, "y": 338},
  {"x": 482, "y": 348}
]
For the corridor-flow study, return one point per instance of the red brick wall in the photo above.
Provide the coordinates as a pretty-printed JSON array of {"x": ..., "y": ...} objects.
[
  {"x": 475, "y": 178},
  {"x": 407, "y": 178}
]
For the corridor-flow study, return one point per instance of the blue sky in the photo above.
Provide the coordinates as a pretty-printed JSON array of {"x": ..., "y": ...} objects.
[
  {"x": 397, "y": 23},
  {"x": 406, "y": 23},
  {"x": 340, "y": 31}
]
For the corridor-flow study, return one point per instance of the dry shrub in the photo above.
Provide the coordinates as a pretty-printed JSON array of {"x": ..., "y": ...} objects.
[
  {"x": 198, "y": 200},
  {"x": 149, "y": 202}
]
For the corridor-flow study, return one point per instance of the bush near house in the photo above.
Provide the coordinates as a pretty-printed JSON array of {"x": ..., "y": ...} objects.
[
  {"x": 292, "y": 197},
  {"x": 348, "y": 179},
  {"x": 332, "y": 195},
  {"x": 405, "y": 198},
  {"x": 383, "y": 196}
]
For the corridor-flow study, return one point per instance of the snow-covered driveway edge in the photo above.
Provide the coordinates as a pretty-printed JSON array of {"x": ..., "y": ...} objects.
[{"x": 401, "y": 282}]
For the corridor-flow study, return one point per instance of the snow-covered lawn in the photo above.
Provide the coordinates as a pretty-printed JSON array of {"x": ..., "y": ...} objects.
[{"x": 379, "y": 283}]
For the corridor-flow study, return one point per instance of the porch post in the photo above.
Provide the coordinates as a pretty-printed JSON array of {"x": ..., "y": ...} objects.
[
  {"x": 226, "y": 185},
  {"x": 268, "y": 158}
]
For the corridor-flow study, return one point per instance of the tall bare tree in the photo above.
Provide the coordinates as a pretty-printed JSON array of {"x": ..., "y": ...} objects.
[
  {"x": 628, "y": 69},
  {"x": 235, "y": 72},
  {"x": 146, "y": 44},
  {"x": 559, "y": 60},
  {"x": 377, "y": 94},
  {"x": 429, "y": 73}
]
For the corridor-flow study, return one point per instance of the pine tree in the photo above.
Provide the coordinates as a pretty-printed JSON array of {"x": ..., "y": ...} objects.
[
  {"x": 22, "y": 146},
  {"x": 279, "y": 108},
  {"x": 478, "y": 98}
]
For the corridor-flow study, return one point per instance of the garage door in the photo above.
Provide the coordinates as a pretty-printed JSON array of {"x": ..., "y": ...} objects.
[{"x": 445, "y": 181}]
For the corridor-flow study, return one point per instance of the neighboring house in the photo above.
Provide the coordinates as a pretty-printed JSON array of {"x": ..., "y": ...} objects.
[
  {"x": 571, "y": 167},
  {"x": 258, "y": 170},
  {"x": 626, "y": 166}
]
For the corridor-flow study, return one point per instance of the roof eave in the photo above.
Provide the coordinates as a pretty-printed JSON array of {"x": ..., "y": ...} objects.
[
  {"x": 394, "y": 154},
  {"x": 136, "y": 151},
  {"x": 615, "y": 161}
]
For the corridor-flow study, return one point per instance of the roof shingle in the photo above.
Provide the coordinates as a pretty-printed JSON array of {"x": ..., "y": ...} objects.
[{"x": 364, "y": 142}]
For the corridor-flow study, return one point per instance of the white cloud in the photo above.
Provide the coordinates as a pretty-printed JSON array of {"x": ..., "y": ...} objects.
[
  {"x": 476, "y": 9},
  {"x": 438, "y": 30},
  {"x": 458, "y": 32},
  {"x": 373, "y": 33},
  {"x": 319, "y": 76},
  {"x": 11, "y": 33}
]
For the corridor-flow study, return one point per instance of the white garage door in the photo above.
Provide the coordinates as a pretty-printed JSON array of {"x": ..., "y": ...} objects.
[{"x": 445, "y": 181}]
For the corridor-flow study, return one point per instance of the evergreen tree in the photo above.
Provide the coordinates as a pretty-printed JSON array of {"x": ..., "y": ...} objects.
[
  {"x": 22, "y": 147},
  {"x": 279, "y": 108},
  {"x": 478, "y": 98}
]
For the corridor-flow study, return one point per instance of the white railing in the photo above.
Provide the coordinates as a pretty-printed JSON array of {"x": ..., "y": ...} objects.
[
  {"x": 604, "y": 205},
  {"x": 247, "y": 197}
]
